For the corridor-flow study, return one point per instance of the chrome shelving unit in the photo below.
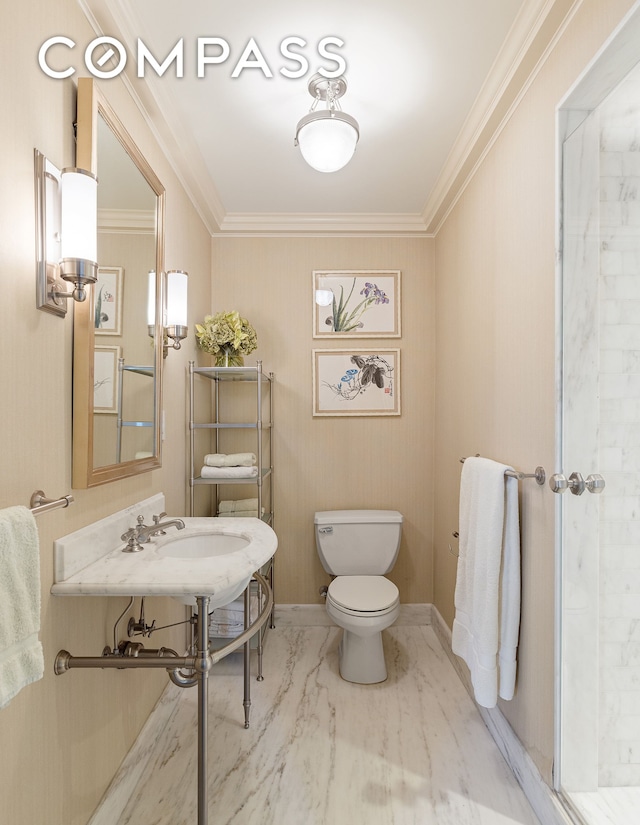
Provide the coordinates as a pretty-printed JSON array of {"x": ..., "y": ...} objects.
[
  {"x": 259, "y": 427},
  {"x": 147, "y": 371},
  {"x": 226, "y": 377}
]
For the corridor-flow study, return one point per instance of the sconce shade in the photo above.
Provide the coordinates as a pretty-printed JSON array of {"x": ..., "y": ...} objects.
[
  {"x": 177, "y": 298},
  {"x": 79, "y": 229},
  {"x": 327, "y": 139},
  {"x": 175, "y": 309},
  {"x": 79, "y": 235},
  {"x": 151, "y": 299}
]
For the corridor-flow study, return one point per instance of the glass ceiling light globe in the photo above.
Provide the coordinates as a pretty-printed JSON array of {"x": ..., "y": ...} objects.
[{"x": 327, "y": 137}]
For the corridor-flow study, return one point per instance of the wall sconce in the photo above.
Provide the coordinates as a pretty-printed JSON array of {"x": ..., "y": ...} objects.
[
  {"x": 174, "y": 312},
  {"x": 176, "y": 319},
  {"x": 327, "y": 137},
  {"x": 66, "y": 234}
]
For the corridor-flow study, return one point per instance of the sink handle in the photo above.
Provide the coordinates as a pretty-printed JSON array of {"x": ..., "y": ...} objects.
[
  {"x": 157, "y": 520},
  {"x": 132, "y": 536}
]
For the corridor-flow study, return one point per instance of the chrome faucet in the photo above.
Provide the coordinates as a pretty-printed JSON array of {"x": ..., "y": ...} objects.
[{"x": 141, "y": 533}]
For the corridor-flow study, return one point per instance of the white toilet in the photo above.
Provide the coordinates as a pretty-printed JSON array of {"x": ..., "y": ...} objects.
[{"x": 358, "y": 547}]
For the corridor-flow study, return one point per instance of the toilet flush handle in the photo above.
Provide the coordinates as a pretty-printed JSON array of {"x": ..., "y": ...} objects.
[{"x": 328, "y": 529}]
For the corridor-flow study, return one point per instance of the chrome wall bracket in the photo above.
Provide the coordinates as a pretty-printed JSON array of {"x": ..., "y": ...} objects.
[
  {"x": 49, "y": 287},
  {"x": 594, "y": 483}
]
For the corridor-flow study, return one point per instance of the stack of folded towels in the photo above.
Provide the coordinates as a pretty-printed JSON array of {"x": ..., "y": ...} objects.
[
  {"x": 240, "y": 508},
  {"x": 228, "y": 622},
  {"x": 232, "y": 465}
]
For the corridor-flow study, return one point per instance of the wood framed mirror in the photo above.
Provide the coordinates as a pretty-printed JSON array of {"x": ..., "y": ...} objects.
[{"x": 117, "y": 351}]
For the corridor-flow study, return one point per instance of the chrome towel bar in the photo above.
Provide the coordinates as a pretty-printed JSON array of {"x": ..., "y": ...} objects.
[
  {"x": 41, "y": 504},
  {"x": 539, "y": 475}
]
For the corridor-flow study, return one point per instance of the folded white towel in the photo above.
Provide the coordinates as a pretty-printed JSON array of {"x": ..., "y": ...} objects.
[
  {"x": 230, "y": 460},
  {"x": 238, "y": 504},
  {"x": 242, "y": 514},
  {"x": 229, "y": 472},
  {"x": 487, "y": 596},
  {"x": 21, "y": 657}
]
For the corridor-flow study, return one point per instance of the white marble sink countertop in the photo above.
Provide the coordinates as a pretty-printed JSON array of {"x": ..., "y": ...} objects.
[{"x": 147, "y": 573}]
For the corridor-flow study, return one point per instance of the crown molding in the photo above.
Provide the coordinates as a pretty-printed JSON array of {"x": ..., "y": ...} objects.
[
  {"x": 319, "y": 223},
  {"x": 524, "y": 47},
  {"x": 114, "y": 17},
  {"x": 127, "y": 221}
]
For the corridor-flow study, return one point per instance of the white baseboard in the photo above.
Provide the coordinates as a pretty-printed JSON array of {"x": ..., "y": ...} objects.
[
  {"x": 310, "y": 615},
  {"x": 541, "y": 797}
]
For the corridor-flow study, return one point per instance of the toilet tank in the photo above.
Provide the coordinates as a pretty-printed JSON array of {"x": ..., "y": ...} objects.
[{"x": 358, "y": 542}]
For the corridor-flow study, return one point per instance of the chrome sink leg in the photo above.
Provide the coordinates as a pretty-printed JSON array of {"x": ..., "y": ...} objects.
[
  {"x": 129, "y": 655},
  {"x": 247, "y": 657},
  {"x": 203, "y": 666}
]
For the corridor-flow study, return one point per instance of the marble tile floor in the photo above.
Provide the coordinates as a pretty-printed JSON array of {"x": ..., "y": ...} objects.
[
  {"x": 410, "y": 751},
  {"x": 609, "y": 806}
]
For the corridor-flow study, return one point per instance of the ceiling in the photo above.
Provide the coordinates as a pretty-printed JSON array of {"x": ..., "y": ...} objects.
[{"x": 424, "y": 79}]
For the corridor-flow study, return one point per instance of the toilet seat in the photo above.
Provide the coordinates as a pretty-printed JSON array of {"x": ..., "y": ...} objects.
[{"x": 363, "y": 595}]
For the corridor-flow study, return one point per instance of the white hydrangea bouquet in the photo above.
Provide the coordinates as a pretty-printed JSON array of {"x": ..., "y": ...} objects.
[{"x": 227, "y": 337}]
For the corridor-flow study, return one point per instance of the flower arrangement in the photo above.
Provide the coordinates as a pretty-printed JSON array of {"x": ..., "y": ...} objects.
[{"x": 227, "y": 337}]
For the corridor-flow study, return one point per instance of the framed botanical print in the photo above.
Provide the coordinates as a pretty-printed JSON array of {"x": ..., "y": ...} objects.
[
  {"x": 356, "y": 304},
  {"x": 105, "y": 379},
  {"x": 356, "y": 381},
  {"x": 107, "y": 300}
]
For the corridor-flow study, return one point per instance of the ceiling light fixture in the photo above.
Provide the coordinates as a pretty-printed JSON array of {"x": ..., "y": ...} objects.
[{"x": 327, "y": 137}]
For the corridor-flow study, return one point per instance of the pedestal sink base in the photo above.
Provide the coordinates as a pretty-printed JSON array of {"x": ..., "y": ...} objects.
[{"x": 202, "y": 663}]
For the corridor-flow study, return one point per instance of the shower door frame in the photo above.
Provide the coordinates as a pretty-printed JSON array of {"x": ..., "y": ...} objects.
[{"x": 575, "y": 763}]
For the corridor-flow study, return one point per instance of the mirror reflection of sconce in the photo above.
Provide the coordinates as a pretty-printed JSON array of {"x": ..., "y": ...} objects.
[
  {"x": 66, "y": 234},
  {"x": 324, "y": 297},
  {"x": 175, "y": 309}
]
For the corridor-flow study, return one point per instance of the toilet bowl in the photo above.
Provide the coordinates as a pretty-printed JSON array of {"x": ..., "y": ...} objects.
[
  {"x": 357, "y": 547},
  {"x": 363, "y": 606}
]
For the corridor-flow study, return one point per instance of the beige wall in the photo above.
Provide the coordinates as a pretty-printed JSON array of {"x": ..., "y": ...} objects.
[
  {"x": 333, "y": 463},
  {"x": 64, "y": 737},
  {"x": 477, "y": 369},
  {"x": 495, "y": 394}
]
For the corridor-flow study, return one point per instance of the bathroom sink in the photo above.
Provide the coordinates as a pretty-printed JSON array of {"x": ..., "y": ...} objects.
[
  {"x": 214, "y": 557},
  {"x": 202, "y": 545}
]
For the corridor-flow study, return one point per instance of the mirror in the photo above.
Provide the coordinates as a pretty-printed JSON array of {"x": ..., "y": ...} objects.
[{"x": 117, "y": 365}]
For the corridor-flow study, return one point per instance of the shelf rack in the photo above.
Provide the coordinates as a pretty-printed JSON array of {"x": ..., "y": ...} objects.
[
  {"x": 223, "y": 379},
  {"x": 147, "y": 371},
  {"x": 221, "y": 376}
]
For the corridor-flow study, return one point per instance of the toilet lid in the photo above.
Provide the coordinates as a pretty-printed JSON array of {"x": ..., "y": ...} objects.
[{"x": 363, "y": 593}]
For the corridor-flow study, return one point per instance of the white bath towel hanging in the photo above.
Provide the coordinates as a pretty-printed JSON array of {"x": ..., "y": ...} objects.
[
  {"x": 21, "y": 657},
  {"x": 487, "y": 596}
]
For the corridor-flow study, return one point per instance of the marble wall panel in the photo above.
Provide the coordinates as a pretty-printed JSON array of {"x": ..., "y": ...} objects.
[{"x": 619, "y": 651}]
